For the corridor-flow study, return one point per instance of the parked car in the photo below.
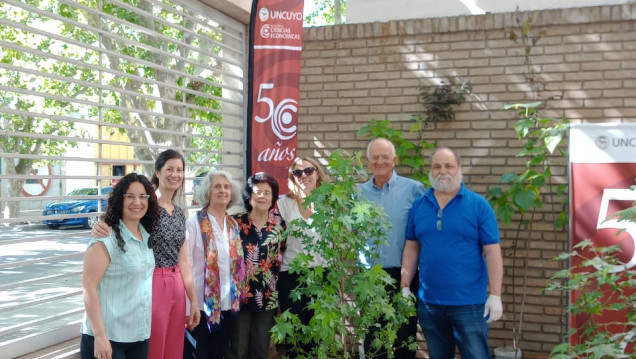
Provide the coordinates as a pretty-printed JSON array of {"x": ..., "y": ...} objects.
[{"x": 76, "y": 206}]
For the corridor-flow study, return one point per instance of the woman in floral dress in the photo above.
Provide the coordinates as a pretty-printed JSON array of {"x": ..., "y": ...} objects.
[{"x": 261, "y": 229}]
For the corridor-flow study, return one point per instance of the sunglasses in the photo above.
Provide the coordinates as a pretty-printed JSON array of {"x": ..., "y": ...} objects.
[{"x": 308, "y": 171}]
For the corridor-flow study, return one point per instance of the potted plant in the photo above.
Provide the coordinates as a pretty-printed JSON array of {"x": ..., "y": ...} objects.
[{"x": 347, "y": 298}]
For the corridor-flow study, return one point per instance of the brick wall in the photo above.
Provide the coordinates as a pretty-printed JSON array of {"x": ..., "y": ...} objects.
[{"x": 587, "y": 62}]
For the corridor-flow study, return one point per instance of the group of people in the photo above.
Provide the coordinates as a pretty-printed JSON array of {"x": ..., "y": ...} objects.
[
  {"x": 444, "y": 247},
  {"x": 150, "y": 273}
]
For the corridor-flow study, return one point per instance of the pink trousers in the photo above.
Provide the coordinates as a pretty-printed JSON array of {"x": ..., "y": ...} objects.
[{"x": 168, "y": 314}]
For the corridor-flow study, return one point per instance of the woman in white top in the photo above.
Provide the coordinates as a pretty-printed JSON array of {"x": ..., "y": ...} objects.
[
  {"x": 216, "y": 254},
  {"x": 305, "y": 174}
]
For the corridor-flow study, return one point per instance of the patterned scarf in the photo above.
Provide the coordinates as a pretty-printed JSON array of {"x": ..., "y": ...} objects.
[{"x": 212, "y": 296}]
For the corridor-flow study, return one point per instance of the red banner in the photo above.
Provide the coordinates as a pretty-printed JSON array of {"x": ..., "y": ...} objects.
[
  {"x": 602, "y": 170},
  {"x": 275, "y": 49}
]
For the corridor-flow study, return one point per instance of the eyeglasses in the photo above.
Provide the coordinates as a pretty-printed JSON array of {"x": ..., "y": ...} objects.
[
  {"x": 132, "y": 197},
  {"x": 439, "y": 220},
  {"x": 308, "y": 171},
  {"x": 258, "y": 193},
  {"x": 376, "y": 158}
]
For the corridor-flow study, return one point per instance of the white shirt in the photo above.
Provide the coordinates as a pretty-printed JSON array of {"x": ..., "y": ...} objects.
[
  {"x": 197, "y": 258},
  {"x": 289, "y": 211}
]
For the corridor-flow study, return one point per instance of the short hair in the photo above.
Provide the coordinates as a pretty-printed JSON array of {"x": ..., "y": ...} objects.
[
  {"x": 383, "y": 140},
  {"x": 115, "y": 209},
  {"x": 457, "y": 158},
  {"x": 260, "y": 177},
  {"x": 202, "y": 196},
  {"x": 164, "y": 157},
  {"x": 294, "y": 190}
]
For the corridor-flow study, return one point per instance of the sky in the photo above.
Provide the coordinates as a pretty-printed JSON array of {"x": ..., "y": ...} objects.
[{"x": 310, "y": 5}]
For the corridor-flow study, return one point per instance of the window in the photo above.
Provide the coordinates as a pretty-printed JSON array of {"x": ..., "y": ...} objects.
[
  {"x": 119, "y": 170},
  {"x": 91, "y": 90}
]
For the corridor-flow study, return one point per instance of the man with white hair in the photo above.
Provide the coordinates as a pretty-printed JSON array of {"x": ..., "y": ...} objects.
[
  {"x": 452, "y": 235},
  {"x": 395, "y": 194}
]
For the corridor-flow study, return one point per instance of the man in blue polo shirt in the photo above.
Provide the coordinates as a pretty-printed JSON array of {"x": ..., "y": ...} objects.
[
  {"x": 396, "y": 194},
  {"x": 454, "y": 233}
]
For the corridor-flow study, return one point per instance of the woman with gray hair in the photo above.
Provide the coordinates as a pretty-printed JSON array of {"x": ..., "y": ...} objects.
[{"x": 216, "y": 254}]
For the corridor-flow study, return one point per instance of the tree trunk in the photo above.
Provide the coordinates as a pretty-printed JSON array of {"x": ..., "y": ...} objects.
[{"x": 14, "y": 189}]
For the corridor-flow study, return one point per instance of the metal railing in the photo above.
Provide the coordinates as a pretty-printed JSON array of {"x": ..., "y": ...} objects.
[{"x": 88, "y": 94}]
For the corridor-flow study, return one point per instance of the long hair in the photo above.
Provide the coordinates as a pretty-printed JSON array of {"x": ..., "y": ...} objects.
[
  {"x": 164, "y": 157},
  {"x": 294, "y": 189},
  {"x": 202, "y": 196},
  {"x": 260, "y": 177},
  {"x": 115, "y": 209}
]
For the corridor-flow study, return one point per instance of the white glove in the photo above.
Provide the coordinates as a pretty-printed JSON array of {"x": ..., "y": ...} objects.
[
  {"x": 406, "y": 292},
  {"x": 493, "y": 309}
]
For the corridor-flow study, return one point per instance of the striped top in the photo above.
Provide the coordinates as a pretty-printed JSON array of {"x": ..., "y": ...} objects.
[{"x": 125, "y": 291}]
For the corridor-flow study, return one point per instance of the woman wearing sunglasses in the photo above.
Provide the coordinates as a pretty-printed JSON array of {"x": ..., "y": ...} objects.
[{"x": 305, "y": 174}]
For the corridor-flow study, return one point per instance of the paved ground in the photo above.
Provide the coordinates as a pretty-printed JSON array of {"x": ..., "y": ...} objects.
[
  {"x": 65, "y": 350},
  {"x": 39, "y": 277}
]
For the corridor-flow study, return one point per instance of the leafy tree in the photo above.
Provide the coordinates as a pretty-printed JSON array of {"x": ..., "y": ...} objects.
[
  {"x": 22, "y": 115},
  {"x": 140, "y": 89},
  {"x": 156, "y": 72},
  {"x": 542, "y": 137},
  {"x": 522, "y": 193},
  {"x": 330, "y": 12},
  {"x": 347, "y": 298}
]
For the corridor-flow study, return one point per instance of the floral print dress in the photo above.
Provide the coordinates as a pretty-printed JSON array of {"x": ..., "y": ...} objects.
[{"x": 262, "y": 250}]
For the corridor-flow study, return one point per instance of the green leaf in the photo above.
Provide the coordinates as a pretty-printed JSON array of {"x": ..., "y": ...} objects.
[
  {"x": 552, "y": 141},
  {"x": 525, "y": 199},
  {"x": 508, "y": 177},
  {"x": 523, "y": 127},
  {"x": 518, "y": 106},
  {"x": 560, "y": 356},
  {"x": 560, "y": 348},
  {"x": 494, "y": 192},
  {"x": 505, "y": 213}
]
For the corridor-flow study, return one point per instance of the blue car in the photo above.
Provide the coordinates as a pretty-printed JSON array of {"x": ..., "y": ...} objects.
[{"x": 76, "y": 206}]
